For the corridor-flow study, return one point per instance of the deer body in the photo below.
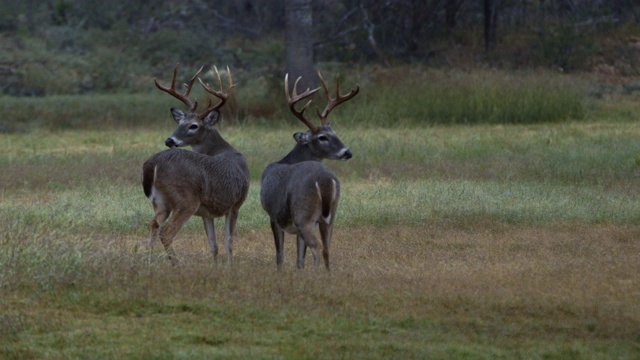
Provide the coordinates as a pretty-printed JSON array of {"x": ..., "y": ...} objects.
[
  {"x": 211, "y": 181},
  {"x": 301, "y": 194},
  {"x": 217, "y": 183}
]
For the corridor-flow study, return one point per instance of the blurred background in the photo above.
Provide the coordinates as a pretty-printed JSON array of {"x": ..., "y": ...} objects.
[
  {"x": 83, "y": 46},
  {"x": 397, "y": 48}
]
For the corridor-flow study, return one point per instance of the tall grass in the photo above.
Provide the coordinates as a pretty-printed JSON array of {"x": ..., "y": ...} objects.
[
  {"x": 84, "y": 112},
  {"x": 390, "y": 97},
  {"x": 411, "y": 96}
]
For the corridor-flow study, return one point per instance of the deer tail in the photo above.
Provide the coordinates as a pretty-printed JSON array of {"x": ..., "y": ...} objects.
[
  {"x": 148, "y": 177},
  {"x": 329, "y": 191}
]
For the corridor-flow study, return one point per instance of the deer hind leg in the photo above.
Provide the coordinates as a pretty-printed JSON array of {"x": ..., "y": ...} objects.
[
  {"x": 278, "y": 238},
  {"x": 326, "y": 233},
  {"x": 307, "y": 233},
  {"x": 177, "y": 221},
  {"x": 161, "y": 214},
  {"x": 230, "y": 228},
  {"x": 302, "y": 251},
  {"x": 209, "y": 228}
]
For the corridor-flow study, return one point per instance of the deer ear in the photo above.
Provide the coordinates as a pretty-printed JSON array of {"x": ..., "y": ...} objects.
[
  {"x": 301, "y": 138},
  {"x": 212, "y": 118},
  {"x": 178, "y": 115}
]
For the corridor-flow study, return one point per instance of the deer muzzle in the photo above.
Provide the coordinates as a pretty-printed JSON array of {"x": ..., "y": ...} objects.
[
  {"x": 171, "y": 142},
  {"x": 345, "y": 154}
]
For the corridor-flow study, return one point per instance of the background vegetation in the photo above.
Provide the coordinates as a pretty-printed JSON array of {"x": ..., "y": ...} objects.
[{"x": 60, "y": 47}]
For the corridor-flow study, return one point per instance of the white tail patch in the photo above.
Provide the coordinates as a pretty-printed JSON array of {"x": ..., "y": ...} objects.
[
  {"x": 327, "y": 219},
  {"x": 333, "y": 190},
  {"x": 156, "y": 196},
  {"x": 154, "y": 192},
  {"x": 318, "y": 190}
]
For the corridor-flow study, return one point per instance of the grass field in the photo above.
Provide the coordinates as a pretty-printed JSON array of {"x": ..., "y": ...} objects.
[
  {"x": 451, "y": 242},
  {"x": 457, "y": 241}
]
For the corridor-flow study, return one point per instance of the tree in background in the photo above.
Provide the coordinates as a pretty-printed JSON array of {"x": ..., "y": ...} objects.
[
  {"x": 299, "y": 43},
  {"x": 490, "y": 24}
]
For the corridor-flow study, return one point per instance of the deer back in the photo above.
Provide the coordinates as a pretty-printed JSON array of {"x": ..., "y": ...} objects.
[{"x": 182, "y": 178}]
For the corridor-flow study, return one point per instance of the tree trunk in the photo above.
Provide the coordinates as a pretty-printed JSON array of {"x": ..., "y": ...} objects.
[
  {"x": 490, "y": 24},
  {"x": 623, "y": 9},
  {"x": 299, "y": 43},
  {"x": 451, "y": 10}
]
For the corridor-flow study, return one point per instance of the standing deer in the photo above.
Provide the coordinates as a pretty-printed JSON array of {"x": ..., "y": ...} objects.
[
  {"x": 300, "y": 193},
  {"x": 211, "y": 181}
]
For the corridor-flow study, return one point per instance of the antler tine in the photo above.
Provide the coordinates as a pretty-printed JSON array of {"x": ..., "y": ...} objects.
[
  {"x": 293, "y": 98},
  {"x": 193, "y": 79},
  {"x": 332, "y": 103},
  {"x": 219, "y": 94},
  {"x": 173, "y": 92}
]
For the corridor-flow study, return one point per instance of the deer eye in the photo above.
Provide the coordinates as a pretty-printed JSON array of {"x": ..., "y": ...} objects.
[
  {"x": 323, "y": 138},
  {"x": 193, "y": 127}
]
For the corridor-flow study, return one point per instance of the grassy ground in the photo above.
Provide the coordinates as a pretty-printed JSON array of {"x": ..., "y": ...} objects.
[{"x": 484, "y": 241}]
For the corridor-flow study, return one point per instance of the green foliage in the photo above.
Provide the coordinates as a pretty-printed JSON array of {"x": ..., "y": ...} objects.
[
  {"x": 140, "y": 37},
  {"x": 566, "y": 47}
]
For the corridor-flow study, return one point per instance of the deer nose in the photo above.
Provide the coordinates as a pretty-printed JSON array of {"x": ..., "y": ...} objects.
[
  {"x": 346, "y": 155},
  {"x": 170, "y": 142}
]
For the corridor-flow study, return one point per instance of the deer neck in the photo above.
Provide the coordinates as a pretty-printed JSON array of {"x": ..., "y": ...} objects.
[
  {"x": 212, "y": 144},
  {"x": 298, "y": 154}
]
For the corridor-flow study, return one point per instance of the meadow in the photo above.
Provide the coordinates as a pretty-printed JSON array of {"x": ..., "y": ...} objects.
[{"x": 455, "y": 237}]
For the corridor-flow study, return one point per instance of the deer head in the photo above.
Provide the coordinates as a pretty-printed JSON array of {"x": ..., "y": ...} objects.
[
  {"x": 321, "y": 140},
  {"x": 194, "y": 127}
]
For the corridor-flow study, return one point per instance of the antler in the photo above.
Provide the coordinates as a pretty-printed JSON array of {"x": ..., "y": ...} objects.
[
  {"x": 331, "y": 103},
  {"x": 182, "y": 97},
  {"x": 294, "y": 97},
  {"x": 219, "y": 94}
]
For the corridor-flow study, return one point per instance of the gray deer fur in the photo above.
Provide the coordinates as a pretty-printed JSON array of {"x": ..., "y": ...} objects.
[
  {"x": 211, "y": 181},
  {"x": 301, "y": 194}
]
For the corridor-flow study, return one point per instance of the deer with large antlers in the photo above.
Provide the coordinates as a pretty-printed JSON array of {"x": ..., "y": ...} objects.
[
  {"x": 211, "y": 181},
  {"x": 299, "y": 193}
]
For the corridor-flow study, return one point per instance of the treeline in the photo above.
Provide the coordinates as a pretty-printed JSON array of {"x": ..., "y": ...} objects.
[{"x": 94, "y": 45}]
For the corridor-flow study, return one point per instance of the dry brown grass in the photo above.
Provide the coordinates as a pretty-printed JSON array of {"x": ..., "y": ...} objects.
[
  {"x": 573, "y": 280},
  {"x": 485, "y": 290}
]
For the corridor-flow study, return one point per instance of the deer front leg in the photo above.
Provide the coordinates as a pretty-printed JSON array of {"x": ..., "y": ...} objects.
[
  {"x": 278, "y": 237},
  {"x": 209, "y": 228}
]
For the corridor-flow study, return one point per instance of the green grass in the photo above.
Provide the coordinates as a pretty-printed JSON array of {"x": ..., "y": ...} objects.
[
  {"x": 416, "y": 202},
  {"x": 522, "y": 174}
]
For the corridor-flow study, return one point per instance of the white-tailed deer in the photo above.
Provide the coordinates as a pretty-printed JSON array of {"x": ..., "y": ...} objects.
[
  {"x": 211, "y": 181},
  {"x": 299, "y": 193}
]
